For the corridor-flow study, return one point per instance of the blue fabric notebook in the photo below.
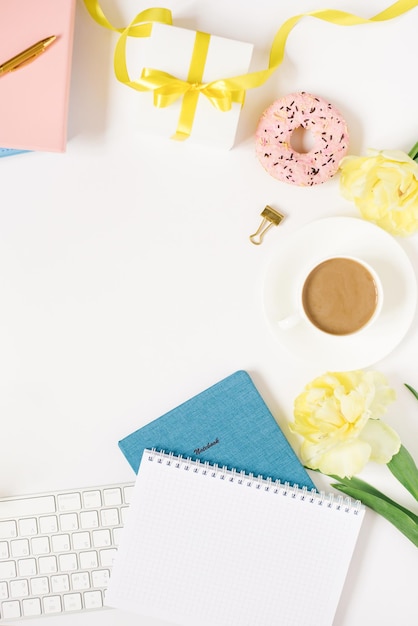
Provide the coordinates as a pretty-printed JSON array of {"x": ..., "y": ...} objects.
[
  {"x": 4, "y": 152},
  {"x": 228, "y": 424}
]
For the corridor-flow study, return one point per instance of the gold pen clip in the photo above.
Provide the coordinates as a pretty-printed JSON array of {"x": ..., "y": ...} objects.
[{"x": 271, "y": 217}]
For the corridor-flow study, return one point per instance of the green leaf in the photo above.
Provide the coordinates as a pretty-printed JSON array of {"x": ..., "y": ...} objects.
[
  {"x": 406, "y": 523},
  {"x": 361, "y": 485},
  {"x": 413, "y": 153},
  {"x": 411, "y": 389},
  {"x": 403, "y": 467}
]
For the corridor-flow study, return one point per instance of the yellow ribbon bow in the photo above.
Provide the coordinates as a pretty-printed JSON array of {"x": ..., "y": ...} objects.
[
  {"x": 221, "y": 93},
  {"x": 167, "y": 89}
]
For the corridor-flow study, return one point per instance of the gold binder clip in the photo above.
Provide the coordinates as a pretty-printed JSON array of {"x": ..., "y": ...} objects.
[{"x": 271, "y": 217}]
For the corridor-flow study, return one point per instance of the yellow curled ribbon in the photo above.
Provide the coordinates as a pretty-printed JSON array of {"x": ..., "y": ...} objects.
[{"x": 223, "y": 92}]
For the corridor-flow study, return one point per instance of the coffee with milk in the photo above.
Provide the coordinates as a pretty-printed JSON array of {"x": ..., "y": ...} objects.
[{"x": 340, "y": 296}]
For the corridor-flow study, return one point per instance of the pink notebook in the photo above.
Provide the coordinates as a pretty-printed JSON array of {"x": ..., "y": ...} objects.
[{"x": 34, "y": 98}]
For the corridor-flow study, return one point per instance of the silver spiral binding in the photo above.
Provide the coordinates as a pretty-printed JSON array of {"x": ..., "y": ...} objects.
[{"x": 267, "y": 485}]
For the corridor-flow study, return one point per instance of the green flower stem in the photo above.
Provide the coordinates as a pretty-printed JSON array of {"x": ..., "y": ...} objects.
[
  {"x": 413, "y": 153},
  {"x": 405, "y": 521},
  {"x": 411, "y": 389},
  {"x": 361, "y": 485},
  {"x": 403, "y": 467}
]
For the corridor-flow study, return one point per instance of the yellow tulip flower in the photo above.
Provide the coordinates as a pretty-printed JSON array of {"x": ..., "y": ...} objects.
[
  {"x": 337, "y": 417},
  {"x": 384, "y": 187}
]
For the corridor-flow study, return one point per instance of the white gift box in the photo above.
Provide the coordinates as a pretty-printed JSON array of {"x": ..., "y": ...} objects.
[{"x": 170, "y": 49}]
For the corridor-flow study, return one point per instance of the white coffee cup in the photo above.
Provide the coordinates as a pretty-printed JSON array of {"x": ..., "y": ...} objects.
[{"x": 339, "y": 295}]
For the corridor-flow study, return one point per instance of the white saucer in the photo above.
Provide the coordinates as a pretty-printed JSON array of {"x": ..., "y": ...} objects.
[{"x": 341, "y": 236}]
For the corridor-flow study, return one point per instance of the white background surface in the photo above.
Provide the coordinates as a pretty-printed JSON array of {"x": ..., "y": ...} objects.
[{"x": 129, "y": 284}]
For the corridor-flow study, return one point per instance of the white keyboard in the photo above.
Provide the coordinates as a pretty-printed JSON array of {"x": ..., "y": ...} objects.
[{"x": 57, "y": 549}]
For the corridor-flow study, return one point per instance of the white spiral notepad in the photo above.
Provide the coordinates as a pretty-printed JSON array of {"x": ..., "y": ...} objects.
[{"x": 206, "y": 545}]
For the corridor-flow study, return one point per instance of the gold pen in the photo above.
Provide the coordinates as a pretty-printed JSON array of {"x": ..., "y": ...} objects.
[{"x": 26, "y": 56}]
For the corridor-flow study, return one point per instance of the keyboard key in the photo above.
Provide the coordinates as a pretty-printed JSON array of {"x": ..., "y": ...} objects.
[
  {"x": 39, "y": 586},
  {"x": 101, "y": 538},
  {"x": 88, "y": 559},
  {"x": 48, "y": 524},
  {"x": 60, "y": 543},
  {"x": 89, "y": 519},
  {"x": 40, "y": 545},
  {"x": 81, "y": 580},
  {"x": 93, "y": 599},
  {"x": 28, "y": 527},
  {"x": 8, "y": 529},
  {"x": 100, "y": 578},
  {"x": 47, "y": 564},
  {"x": 19, "y": 547},
  {"x": 69, "y": 502},
  {"x": 60, "y": 583},
  {"x": 4, "y": 550},
  {"x": 27, "y": 567},
  {"x": 107, "y": 557},
  {"x": 92, "y": 499},
  {"x": 7, "y": 569},
  {"x": 124, "y": 511},
  {"x": 69, "y": 521},
  {"x": 116, "y": 535},
  {"x": 81, "y": 540},
  {"x": 112, "y": 496},
  {"x": 52, "y": 604},
  {"x": 4, "y": 593},
  {"x": 31, "y": 505},
  {"x": 19, "y": 588},
  {"x": 127, "y": 492},
  {"x": 11, "y": 609},
  {"x": 72, "y": 602},
  {"x": 31, "y": 607},
  {"x": 110, "y": 517},
  {"x": 67, "y": 562}
]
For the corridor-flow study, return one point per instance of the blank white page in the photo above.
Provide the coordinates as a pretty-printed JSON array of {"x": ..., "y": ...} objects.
[{"x": 204, "y": 545}]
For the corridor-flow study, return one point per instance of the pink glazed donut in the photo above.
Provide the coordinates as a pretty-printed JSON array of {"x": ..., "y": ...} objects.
[{"x": 314, "y": 114}]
